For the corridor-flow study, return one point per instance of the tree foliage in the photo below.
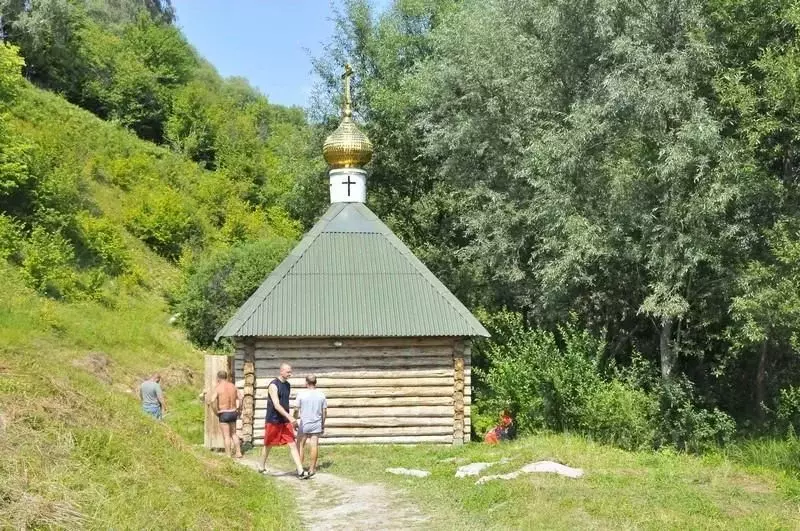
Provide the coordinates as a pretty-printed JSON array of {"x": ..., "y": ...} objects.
[
  {"x": 623, "y": 162},
  {"x": 215, "y": 287}
]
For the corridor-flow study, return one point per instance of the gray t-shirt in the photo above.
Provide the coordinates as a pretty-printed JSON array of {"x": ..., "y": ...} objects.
[
  {"x": 150, "y": 392},
  {"x": 310, "y": 403}
]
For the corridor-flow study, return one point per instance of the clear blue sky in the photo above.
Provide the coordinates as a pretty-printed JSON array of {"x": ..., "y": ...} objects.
[{"x": 266, "y": 41}]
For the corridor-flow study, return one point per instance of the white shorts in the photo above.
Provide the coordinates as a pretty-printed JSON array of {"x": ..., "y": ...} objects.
[{"x": 312, "y": 428}]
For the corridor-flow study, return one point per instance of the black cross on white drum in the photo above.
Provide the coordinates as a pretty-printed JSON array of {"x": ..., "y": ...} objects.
[{"x": 348, "y": 185}]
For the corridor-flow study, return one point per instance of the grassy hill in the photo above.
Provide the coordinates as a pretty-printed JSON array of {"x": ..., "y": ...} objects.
[{"x": 75, "y": 450}]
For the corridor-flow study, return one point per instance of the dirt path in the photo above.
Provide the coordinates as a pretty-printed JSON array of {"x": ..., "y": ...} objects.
[{"x": 329, "y": 502}]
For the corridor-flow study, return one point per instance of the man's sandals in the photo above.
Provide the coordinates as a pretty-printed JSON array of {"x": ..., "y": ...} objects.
[{"x": 306, "y": 474}]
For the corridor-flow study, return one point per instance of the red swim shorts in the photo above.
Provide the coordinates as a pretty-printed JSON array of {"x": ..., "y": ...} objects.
[{"x": 278, "y": 434}]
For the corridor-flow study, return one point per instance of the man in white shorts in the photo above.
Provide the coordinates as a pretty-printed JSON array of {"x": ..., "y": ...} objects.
[{"x": 312, "y": 409}]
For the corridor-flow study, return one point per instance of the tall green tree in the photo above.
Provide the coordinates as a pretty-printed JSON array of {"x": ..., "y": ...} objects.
[
  {"x": 767, "y": 312},
  {"x": 48, "y": 34},
  {"x": 15, "y": 180},
  {"x": 571, "y": 160}
]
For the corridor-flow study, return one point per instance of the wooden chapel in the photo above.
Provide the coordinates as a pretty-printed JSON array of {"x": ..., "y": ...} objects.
[{"x": 389, "y": 343}]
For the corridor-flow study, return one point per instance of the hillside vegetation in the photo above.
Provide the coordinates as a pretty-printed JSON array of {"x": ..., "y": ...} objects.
[
  {"x": 76, "y": 452},
  {"x": 107, "y": 205},
  {"x": 94, "y": 229}
]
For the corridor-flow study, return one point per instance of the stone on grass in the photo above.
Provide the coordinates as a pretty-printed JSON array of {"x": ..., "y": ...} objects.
[
  {"x": 409, "y": 472},
  {"x": 472, "y": 469},
  {"x": 539, "y": 466},
  {"x": 554, "y": 468}
]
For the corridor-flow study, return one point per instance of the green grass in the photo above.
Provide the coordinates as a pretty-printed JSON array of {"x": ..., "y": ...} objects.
[
  {"x": 621, "y": 489},
  {"x": 75, "y": 450}
]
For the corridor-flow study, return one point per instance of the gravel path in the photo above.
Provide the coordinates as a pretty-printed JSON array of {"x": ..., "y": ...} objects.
[{"x": 328, "y": 502}]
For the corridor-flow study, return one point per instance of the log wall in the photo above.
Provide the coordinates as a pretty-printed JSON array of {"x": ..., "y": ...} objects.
[{"x": 401, "y": 390}]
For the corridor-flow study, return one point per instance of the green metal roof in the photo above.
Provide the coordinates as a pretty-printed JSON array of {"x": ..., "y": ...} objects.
[{"x": 351, "y": 276}]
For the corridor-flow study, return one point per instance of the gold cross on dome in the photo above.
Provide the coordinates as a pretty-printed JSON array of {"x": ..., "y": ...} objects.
[{"x": 347, "y": 110}]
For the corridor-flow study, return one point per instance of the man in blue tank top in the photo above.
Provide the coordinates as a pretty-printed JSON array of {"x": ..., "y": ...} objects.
[{"x": 279, "y": 426}]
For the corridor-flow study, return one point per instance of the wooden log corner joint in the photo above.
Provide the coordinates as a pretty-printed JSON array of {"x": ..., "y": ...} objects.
[{"x": 249, "y": 399}]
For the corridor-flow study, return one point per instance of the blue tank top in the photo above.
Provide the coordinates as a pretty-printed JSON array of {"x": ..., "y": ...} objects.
[{"x": 284, "y": 389}]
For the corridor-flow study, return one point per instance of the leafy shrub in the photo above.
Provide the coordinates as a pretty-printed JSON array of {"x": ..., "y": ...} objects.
[
  {"x": 557, "y": 383},
  {"x": 10, "y": 236},
  {"x": 685, "y": 425},
  {"x": 242, "y": 224},
  {"x": 48, "y": 260},
  {"x": 163, "y": 219},
  {"x": 481, "y": 421},
  {"x": 124, "y": 172},
  {"x": 214, "y": 287},
  {"x": 16, "y": 182},
  {"x": 788, "y": 412},
  {"x": 15, "y": 179},
  {"x": 102, "y": 239},
  {"x": 621, "y": 415}
]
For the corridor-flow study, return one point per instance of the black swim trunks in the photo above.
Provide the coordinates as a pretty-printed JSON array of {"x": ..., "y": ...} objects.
[{"x": 228, "y": 417}]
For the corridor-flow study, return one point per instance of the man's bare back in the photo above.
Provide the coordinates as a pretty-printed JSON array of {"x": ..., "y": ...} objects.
[
  {"x": 226, "y": 396},
  {"x": 225, "y": 402}
]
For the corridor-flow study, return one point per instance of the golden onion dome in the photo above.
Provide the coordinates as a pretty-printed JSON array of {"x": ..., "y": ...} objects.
[{"x": 347, "y": 146}]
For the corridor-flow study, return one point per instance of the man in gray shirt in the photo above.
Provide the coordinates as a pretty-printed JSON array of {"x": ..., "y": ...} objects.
[
  {"x": 312, "y": 408},
  {"x": 152, "y": 397}
]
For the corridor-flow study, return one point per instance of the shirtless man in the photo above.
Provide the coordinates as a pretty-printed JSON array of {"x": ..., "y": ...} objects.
[{"x": 226, "y": 402}]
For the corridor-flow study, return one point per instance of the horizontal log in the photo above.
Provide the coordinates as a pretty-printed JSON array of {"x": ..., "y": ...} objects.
[
  {"x": 384, "y": 372},
  {"x": 388, "y": 422},
  {"x": 391, "y": 401},
  {"x": 261, "y": 402},
  {"x": 365, "y": 342},
  {"x": 375, "y": 422},
  {"x": 444, "y": 398},
  {"x": 380, "y": 431},
  {"x": 368, "y": 374},
  {"x": 355, "y": 412},
  {"x": 356, "y": 362},
  {"x": 387, "y": 431},
  {"x": 323, "y": 353},
  {"x": 333, "y": 380},
  {"x": 396, "y": 439},
  {"x": 373, "y": 392},
  {"x": 300, "y": 369},
  {"x": 326, "y": 383}
]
